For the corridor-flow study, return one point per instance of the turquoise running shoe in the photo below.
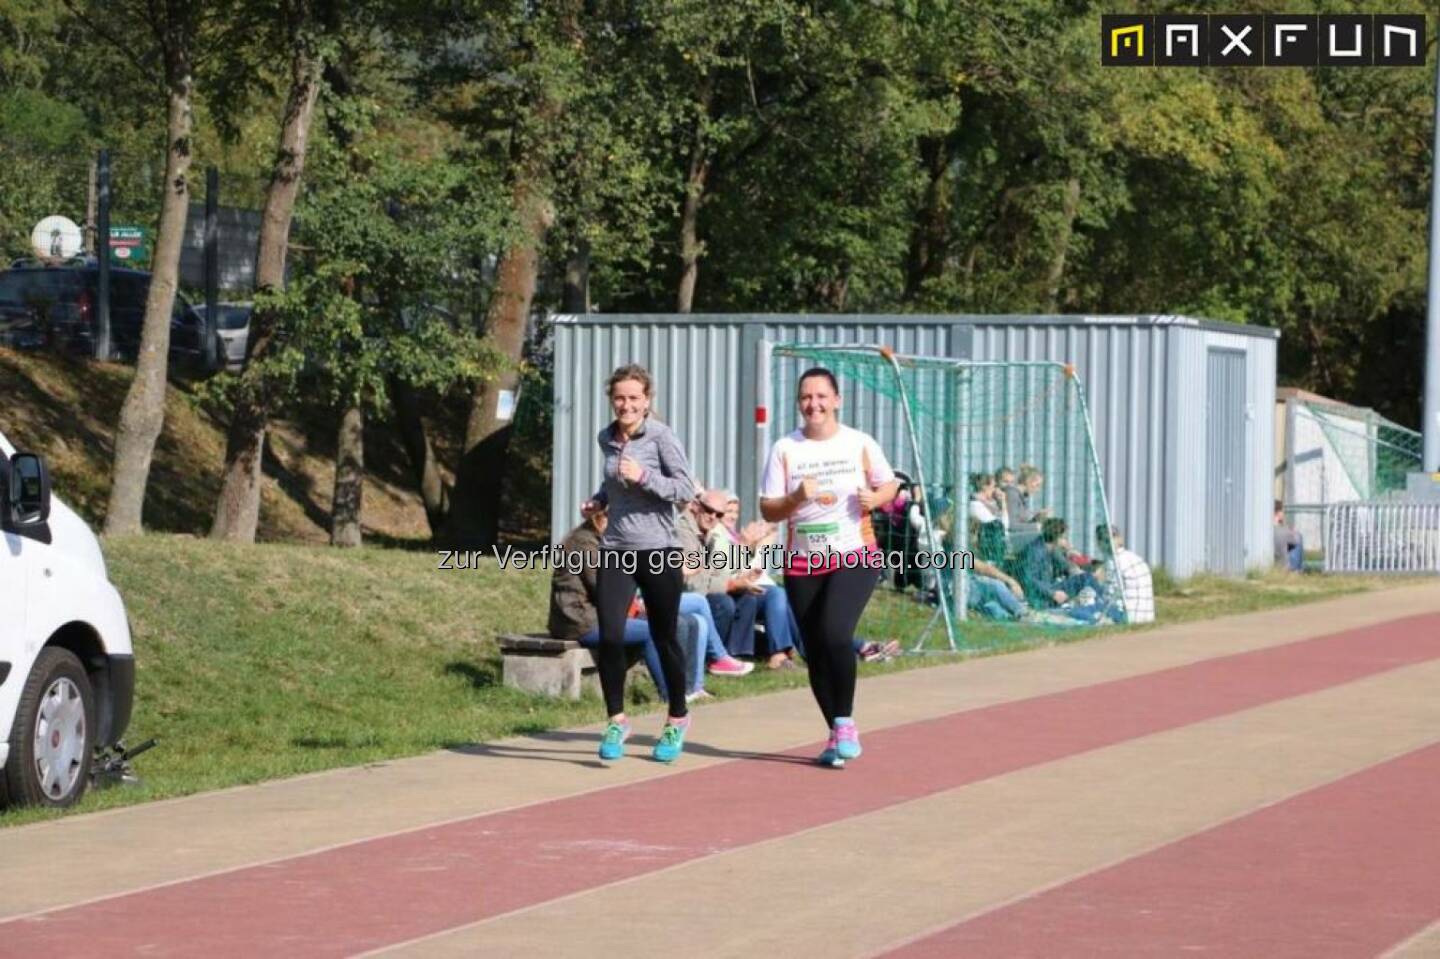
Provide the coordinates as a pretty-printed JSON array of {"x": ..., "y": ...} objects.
[
  {"x": 847, "y": 739},
  {"x": 672, "y": 742},
  {"x": 612, "y": 744},
  {"x": 831, "y": 755}
]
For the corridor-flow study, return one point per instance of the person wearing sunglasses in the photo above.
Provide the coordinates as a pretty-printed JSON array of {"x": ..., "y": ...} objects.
[{"x": 736, "y": 593}]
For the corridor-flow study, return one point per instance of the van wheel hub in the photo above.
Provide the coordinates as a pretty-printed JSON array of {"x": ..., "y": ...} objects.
[{"x": 60, "y": 738}]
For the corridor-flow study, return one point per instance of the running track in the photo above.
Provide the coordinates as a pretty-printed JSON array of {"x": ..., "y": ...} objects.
[{"x": 1277, "y": 798}]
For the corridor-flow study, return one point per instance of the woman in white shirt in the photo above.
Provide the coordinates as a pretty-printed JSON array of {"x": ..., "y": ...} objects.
[{"x": 824, "y": 479}]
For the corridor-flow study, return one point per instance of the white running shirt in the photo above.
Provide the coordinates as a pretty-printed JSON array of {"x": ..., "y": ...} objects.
[{"x": 833, "y": 520}]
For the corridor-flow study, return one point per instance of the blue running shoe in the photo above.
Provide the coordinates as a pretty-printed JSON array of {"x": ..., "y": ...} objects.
[
  {"x": 612, "y": 744},
  {"x": 831, "y": 756},
  {"x": 672, "y": 742},
  {"x": 847, "y": 739}
]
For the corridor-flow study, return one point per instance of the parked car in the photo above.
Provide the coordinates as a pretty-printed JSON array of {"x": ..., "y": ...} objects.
[
  {"x": 44, "y": 306},
  {"x": 233, "y": 329},
  {"x": 67, "y": 668}
]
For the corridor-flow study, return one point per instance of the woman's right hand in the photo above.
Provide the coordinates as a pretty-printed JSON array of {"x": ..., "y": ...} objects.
[
  {"x": 806, "y": 491},
  {"x": 589, "y": 508}
]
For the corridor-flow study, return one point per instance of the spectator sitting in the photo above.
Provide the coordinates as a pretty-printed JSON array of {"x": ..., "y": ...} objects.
[
  {"x": 995, "y": 594},
  {"x": 1019, "y": 499},
  {"x": 1289, "y": 544},
  {"x": 694, "y": 610},
  {"x": 988, "y": 519},
  {"x": 1132, "y": 573},
  {"x": 572, "y": 603},
  {"x": 753, "y": 537},
  {"x": 1004, "y": 482},
  {"x": 734, "y": 591},
  {"x": 1045, "y": 572},
  {"x": 984, "y": 505}
]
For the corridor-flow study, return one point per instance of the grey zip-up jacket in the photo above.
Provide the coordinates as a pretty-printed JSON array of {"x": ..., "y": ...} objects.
[{"x": 642, "y": 515}]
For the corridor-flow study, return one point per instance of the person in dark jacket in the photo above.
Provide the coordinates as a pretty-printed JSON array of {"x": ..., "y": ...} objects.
[
  {"x": 572, "y": 599},
  {"x": 1045, "y": 571}
]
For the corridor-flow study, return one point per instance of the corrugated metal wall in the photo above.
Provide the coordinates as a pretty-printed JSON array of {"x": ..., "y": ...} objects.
[
  {"x": 707, "y": 383},
  {"x": 1145, "y": 380}
]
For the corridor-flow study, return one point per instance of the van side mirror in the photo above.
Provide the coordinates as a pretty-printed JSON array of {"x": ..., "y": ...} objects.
[{"x": 28, "y": 499}]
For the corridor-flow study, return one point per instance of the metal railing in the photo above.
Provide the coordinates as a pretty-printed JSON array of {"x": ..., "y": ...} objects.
[{"x": 1370, "y": 537}]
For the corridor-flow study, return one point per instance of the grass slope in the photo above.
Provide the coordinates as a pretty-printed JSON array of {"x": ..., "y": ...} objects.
[
  {"x": 256, "y": 662},
  {"x": 66, "y": 409}
]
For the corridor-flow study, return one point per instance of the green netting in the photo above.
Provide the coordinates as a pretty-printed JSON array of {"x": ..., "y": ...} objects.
[
  {"x": 943, "y": 424},
  {"x": 1374, "y": 453}
]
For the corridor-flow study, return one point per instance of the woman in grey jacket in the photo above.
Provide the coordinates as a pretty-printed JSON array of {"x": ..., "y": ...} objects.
[{"x": 646, "y": 474}]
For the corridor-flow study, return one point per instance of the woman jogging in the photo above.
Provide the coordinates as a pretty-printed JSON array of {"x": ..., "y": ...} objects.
[
  {"x": 646, "y": 473},
  {"x": 825, "y": 479}
]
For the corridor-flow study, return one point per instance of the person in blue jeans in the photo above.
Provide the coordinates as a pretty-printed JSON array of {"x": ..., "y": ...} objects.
[
  {"x": 1289, "y": 544},
  {"x": 735, "y": 593},
  {"x": 705, "y": 646},
  {"x": 992, "y": 599},
  {"x": 1045, "y": 571},
  {"x": 688, "y": 633},
  {"x": 572, "y": 605}
]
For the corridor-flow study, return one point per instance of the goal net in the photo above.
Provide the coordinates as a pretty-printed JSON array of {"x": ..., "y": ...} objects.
[{"x": 968, "y": 567}]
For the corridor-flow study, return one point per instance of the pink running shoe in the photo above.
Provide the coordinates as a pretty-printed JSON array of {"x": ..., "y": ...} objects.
[{"x": 730, "y": 666}]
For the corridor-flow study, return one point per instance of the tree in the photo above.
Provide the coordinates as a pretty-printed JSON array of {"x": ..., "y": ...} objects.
[
  {"x": 388, "y": 214},
  {"x": 173, "y": 26},
  {"x": 541, "y": 69},
  {"x": 237, "y": 510}
]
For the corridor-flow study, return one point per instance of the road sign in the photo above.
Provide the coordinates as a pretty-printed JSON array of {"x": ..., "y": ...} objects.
[{"x": 130, "y": 246}]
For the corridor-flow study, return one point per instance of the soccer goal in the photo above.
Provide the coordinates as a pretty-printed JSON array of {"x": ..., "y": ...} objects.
[{"x": 944, "y": 425}]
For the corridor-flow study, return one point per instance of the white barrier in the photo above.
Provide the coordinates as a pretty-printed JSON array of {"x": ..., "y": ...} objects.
[{"x": 1395, "y": 537}]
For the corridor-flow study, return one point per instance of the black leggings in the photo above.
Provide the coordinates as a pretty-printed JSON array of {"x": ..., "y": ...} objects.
[
  {"x": 614, "y": 589},
  {"x": 828, "y": 607}
]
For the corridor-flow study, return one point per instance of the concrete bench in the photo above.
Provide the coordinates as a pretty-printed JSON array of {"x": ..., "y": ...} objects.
[{"x": 537, "y": 663}]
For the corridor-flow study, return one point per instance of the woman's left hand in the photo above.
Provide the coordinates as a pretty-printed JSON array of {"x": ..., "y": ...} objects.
[{"x": 867, "y": 498}]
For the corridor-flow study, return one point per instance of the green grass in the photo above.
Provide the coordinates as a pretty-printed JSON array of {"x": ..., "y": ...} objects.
[
  {"x": 892, "y": 615},
  {"x": 257, "y": 662}
]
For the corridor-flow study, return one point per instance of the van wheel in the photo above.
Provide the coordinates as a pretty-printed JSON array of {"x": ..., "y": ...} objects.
[{"x": 54, "y": 734}]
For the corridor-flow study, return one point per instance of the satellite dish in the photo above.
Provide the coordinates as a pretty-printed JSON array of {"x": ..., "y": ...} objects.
[{"x": 56, "y": 237}]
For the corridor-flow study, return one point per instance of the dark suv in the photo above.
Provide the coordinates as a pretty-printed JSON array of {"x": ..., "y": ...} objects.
[{"x": 54, "y": 307}]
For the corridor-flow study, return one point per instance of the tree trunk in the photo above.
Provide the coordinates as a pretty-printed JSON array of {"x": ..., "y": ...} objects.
[
  {"x": 1071, "y": 206},
  {"x": 434, "y": 492},
  {"x": 237, "y": 512},
  {"x": 474, "y": 520},
  {"x": 349, "y": 479},
  {"x": 832, "y": 292},
  {"x": 143, "y": 414},
  {"x": 928, "y": 238},
  {"x": 92, "y": 202},
  {"x": 695, "y": 177},
  {"x": 479, "y": 478},
  {"x": 577, "y": 280}
]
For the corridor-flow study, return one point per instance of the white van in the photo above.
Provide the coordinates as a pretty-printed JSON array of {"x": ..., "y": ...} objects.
[{"x": 67, "y": 670}]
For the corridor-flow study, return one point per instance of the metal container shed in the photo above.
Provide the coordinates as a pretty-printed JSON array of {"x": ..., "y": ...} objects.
[{"x": 1181, "y": 408}]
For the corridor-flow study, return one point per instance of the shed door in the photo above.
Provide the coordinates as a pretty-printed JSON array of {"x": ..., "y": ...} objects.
[{"x": 1225, "y": 498}]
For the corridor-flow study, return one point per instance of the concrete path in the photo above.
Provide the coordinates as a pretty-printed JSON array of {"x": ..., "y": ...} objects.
[{"x": 1259, "y": 785}]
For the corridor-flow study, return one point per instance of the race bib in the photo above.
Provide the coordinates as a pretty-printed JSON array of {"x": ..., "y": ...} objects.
[{"x": 816, "y": 537}]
